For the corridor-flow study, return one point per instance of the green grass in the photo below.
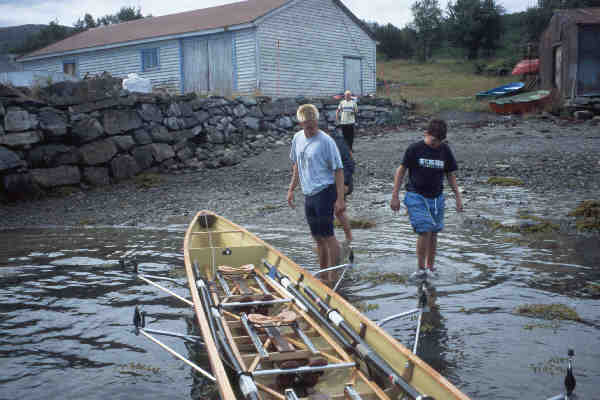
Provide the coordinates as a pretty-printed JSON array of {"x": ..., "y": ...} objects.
[{"x": 448, "y": 84}]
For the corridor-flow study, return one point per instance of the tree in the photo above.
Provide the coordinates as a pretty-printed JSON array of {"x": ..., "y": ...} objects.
[
  {"x": 393, "y": 42},
  {"x": 52, "y": 33},
  {"x": 124, "y": 15},
  {"x": 86, "y": 23},
  {"x": 55, "y": 32},
  {"x": 427, "y": 23},
  {"x": 475, "y": 25}
]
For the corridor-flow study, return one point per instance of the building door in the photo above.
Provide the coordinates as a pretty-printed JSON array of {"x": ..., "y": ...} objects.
[
  {"x": 352, "y": 75},
  {"x": 588, "y": 65},
  {"x": 220, "y": 65},
  {"x": 195, "y": 65},
  {"x": 207, "y": 65},
  {"x": 557, "y": 68}
]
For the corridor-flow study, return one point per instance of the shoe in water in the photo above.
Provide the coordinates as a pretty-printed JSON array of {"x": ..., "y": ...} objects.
[
  {"x": 431, "y": 273},
  {"x": 419, "y": 274}
]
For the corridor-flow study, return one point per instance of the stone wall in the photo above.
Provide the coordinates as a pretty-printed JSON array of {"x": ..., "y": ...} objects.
[{"x": 93, "y": 133}]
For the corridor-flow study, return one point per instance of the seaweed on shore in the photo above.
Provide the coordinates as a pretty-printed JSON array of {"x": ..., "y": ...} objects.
[
  {"x": 357, "y": 223},
  {"x": 550, "y": 312},
  {"x": 587, "y": 214},
  {"x": 504, "y": 181}
]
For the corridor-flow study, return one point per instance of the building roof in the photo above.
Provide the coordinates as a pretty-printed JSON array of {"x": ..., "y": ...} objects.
[
  {"x": 155, "y": 27},
  {"x": 580, "y": 15}
]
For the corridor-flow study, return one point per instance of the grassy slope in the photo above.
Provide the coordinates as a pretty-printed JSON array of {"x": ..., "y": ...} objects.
[{"x": 436, "y": 86}]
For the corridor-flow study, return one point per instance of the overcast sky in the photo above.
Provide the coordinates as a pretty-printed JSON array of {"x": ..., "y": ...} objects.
[{"x": 20, "y": 12}]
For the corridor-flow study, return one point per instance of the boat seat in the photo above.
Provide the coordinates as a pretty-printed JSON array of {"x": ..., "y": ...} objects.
[{"x": 270, "y": 325}]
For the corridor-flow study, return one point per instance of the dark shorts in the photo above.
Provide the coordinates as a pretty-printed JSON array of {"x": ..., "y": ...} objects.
[
  {"x": 348, "y": 132},
  {"x": 425, "y": 214},
  {"x": 319, "y": 211}
]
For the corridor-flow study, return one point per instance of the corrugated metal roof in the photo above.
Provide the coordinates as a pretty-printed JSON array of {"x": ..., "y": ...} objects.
[{"x": 174, "y": 24}]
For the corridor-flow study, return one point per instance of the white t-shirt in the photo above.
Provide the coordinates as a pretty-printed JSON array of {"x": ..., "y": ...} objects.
[{"x": 348, "y": 110}]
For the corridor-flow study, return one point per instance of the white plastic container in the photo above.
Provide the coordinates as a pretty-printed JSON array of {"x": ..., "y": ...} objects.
[{"x": 134, "y": 83}]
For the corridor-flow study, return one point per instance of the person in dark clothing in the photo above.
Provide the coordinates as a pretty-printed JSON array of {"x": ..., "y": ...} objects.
[
  {"x": 427, "y": 161},
  {"x": 348, "y": 163}
]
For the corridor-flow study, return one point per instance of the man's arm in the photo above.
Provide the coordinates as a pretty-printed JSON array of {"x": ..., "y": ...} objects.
[
  {"x": 292, "y": 187},
  {"x": 452, "y": 182},
  {"x": 398, "y": 179},
  {"x": 340, "y": 204}
]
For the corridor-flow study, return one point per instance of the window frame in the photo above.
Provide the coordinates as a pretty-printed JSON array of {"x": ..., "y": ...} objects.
[
  {"x": 149, "y": 54},
  {"x": 66, "y": 62}
]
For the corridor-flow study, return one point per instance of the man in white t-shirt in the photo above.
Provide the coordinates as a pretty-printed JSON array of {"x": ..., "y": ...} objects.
[
  {"x": 346, "y": 115},
  {"x": 317, "y": 165}
]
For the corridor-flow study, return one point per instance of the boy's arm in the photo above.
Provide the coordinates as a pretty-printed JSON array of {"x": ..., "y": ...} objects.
[
  {"x": 398, "y": 179},
  {"x": 452, "y": 182},
  {"x": 293, "y": 184}
]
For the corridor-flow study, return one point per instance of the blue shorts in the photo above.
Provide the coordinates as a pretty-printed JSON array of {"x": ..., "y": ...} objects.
[
  {"x": 319, "y": 211},
  {"x": 426, "y": 214}
]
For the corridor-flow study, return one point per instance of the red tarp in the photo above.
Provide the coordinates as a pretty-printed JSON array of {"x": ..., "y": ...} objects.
[{"x": 527, "y": 67}]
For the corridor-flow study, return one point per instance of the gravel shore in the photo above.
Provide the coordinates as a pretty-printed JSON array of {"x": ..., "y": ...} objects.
[{"x": 553, "y": 158}]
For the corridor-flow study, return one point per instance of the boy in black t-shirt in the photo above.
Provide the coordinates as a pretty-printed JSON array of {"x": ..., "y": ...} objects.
[{"x": 427, "y": 161}]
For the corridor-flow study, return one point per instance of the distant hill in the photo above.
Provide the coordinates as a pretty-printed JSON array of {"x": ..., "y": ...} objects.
[{"x": 15, "y": 36}]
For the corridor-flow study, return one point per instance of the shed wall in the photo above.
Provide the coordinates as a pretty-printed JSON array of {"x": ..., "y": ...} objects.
[
  {"x": 314, "y": 38},
  {"x": 119, "y": 62},
  {"x": 245, "y": 66}
]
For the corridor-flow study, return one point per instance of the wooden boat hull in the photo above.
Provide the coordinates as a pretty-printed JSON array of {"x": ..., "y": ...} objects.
[
  {"x": 216, "y": 242},
  {"x": 521, "y": 104}
]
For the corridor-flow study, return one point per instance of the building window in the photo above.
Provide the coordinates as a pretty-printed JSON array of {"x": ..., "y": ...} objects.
[
  {"x": 149, "y": 59},
  {"x": 70, "y": 68}
]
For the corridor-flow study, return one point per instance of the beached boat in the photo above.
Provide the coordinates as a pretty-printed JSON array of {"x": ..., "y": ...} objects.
[
  {"x": 521, "y": 103},
  {"x": 285, "y": 334},
  {"x": 504, "y": 90}
]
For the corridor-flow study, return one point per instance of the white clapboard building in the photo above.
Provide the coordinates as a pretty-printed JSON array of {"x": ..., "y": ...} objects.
[{"x": 277, "y": 48}]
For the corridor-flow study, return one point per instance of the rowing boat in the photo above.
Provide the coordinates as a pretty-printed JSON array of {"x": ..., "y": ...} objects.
[
  {"x": 283, "y": 333},
  {"x": 504, "y": 90},
  {"x": 521, "y": 103}
]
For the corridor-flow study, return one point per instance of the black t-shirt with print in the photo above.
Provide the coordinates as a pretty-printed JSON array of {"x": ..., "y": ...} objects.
[{"x": 426, "y": 168}]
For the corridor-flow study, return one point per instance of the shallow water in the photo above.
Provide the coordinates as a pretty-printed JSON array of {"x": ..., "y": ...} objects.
[{"x": 67, "y": 305}]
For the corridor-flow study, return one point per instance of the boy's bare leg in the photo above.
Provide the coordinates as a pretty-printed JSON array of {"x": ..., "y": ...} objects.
[
  {"x": 333, "y": 251},
  {"x": 322, "y": 252},
  {"x": 432, "y": 250},
  {"x": 423, "y": 244},
  {"x": 346, "y": 226}
]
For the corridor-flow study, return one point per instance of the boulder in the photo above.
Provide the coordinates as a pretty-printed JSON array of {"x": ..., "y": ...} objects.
[
  {"x": 159, "y": 133},
  {"x": 240, "y": 111},
  {"x": 9, "y": 160},
  {"x": 99, "y": 152},
  {"x": 21, "y": 139},
  {"x": 85, "y": 91},
  {"x": 286, "y": 122},
  {"x": 52, "y": 122},
  {"x": 59, "y": 176},
  {"x": 146, "y": 155},
  {"x": 143, "y": 156},
  {"x": 141, "y": 137},
  {"x": 124, "y": 142},
  {"x": 96, "y": 176},
  {"x": 86, "y": 129},
  {"x": 21, "y": 187},
  {"x": 150, "y": 113},
  {"x": 119, "y": 121},
  {"x": 124, "y": 167},
  {"x": 45, "y": 156},
  {"x": 17, "y": 120}
]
